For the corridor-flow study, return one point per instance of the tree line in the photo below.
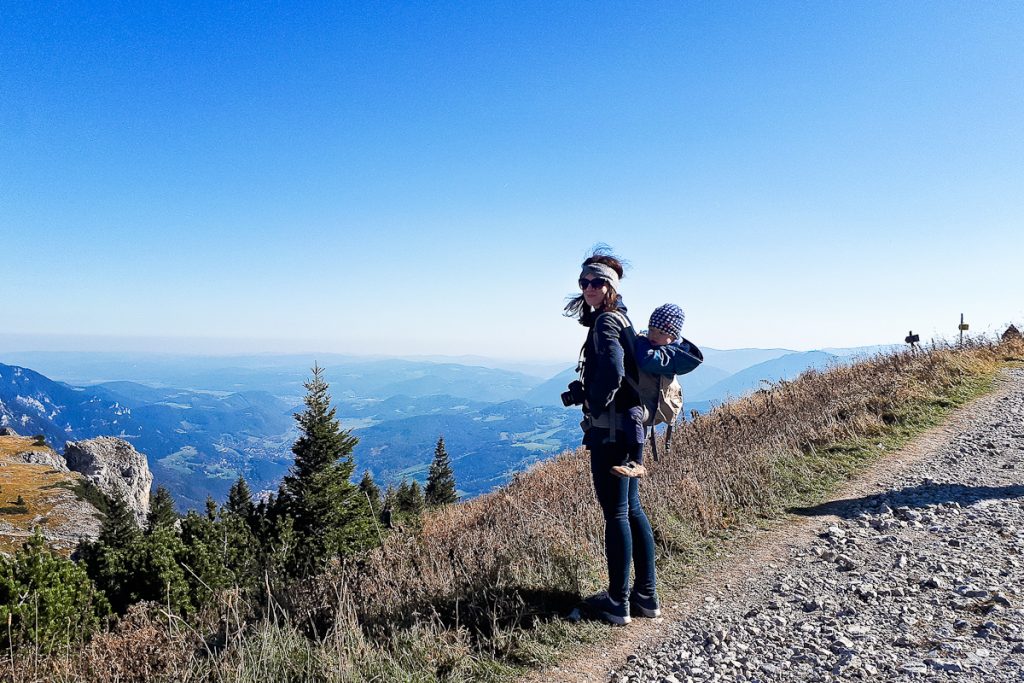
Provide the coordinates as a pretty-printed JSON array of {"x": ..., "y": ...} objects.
[{"x": 316, "y": 516}]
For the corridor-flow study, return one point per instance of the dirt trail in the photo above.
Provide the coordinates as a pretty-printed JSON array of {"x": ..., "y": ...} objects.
[{"x": 768, "y": 554}]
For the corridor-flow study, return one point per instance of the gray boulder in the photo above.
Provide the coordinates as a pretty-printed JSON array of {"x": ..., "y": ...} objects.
[
  {"x": 116, "y": 468},
  {"x": 43, "y": 456}
]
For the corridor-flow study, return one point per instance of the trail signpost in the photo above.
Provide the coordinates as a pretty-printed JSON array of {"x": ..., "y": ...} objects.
[
  {"x": 912, "y": 339},
  {"x": 963, "y": 328}
]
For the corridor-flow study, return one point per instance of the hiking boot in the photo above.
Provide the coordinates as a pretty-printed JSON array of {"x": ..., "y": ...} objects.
[
  {"x": 604, "y": 607},
  {"x": 643, "y": 605},
  {"x": 629, "y": 470}
]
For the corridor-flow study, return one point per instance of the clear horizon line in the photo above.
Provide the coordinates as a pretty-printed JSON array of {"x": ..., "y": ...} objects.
[{"x": 7, "y": 338}]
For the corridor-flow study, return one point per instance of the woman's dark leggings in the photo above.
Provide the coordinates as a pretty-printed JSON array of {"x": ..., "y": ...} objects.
[{"x": 627, "y": 532}]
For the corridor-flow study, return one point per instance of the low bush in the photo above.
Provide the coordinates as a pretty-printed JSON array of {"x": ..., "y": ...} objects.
[{"x": 47, "y": 601}]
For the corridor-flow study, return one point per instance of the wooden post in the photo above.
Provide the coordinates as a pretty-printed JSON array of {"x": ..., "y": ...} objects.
[{"x": 963, "y": 328}]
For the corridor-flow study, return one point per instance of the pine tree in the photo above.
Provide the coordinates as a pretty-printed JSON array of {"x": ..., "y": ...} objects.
[
  {"x": 330, "y": 514},
  {"x": 235, "y": 529},
  {"x": 241, "y": 551},
  {"x": 130, "y": 567},
  {"x": 388, "y": 508},
  {"x": 161, "y": 511},
  {"x": 441, "y": 479},
  {"x": 264, "y": 514},
  {"x": 156, "y": 573},
  {"x": 46, "y": 600},
  {"x": 118, "y": 529},
  {"x": 203, "y": 549},
  {"x": 111, "y": 559},
  {"x": 388, "y": 499},
  {"x": 370, "y": 491},
  {"x": 402, "y": 497},
  {"x": 416, "y": 502},
  {"x": 211, "y": 508},
  {"x": 409, "y": 499},
  {"x": 240, "y": 500}
]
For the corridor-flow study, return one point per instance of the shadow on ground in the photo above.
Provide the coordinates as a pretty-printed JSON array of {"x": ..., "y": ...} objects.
[{"x": 911, "y": 496}]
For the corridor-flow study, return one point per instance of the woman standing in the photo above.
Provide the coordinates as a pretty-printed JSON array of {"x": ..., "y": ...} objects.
[{"x": 614, "y": 435}]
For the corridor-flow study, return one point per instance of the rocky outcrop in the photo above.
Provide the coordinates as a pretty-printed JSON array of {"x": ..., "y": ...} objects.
[
  {"x": 7, "y": 431},
  {"x": 43, "y": 456},
  {"x": 116, "y": 468},
  {"x": 53, "y": 501},
  {"x": 1011, "y": 333}
]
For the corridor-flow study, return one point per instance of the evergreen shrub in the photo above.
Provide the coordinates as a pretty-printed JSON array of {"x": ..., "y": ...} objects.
[{"x": 47, "y": 599}]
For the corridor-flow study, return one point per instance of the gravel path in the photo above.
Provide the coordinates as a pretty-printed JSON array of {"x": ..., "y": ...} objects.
[{"x": 921, "y": 579}]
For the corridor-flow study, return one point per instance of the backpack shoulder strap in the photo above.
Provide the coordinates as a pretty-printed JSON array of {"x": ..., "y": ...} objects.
[{"x": 630, "y": 333}]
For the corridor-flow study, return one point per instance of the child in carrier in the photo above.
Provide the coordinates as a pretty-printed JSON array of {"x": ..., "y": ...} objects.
[{"x": 662, "y": 351}]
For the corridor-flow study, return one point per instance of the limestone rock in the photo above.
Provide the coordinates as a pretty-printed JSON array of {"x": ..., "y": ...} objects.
[
  {"x": 116, "y": 468},
  {"x": 8, "y": 431},
  {"x": 43, "y": 456}
]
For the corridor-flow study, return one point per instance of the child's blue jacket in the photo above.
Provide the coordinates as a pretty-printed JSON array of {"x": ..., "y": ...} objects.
[{"x": 677, "y": 358}]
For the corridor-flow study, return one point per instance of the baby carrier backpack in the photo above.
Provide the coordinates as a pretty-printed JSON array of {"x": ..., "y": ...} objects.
[{"x": 661, "y": 397}]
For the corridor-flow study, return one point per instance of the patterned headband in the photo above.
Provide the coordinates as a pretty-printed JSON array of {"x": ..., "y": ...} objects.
[{"x": 601, "y": 270}]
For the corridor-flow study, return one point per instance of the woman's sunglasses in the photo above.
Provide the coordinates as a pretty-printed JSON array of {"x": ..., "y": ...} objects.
[{"x": 596, "y": 283}]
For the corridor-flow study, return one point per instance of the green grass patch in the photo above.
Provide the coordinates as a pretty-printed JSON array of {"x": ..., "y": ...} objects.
[{"x": 807, "y": 478}]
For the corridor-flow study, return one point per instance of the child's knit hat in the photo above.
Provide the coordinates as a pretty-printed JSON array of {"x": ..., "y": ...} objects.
[{"x": 669, "y": 319}]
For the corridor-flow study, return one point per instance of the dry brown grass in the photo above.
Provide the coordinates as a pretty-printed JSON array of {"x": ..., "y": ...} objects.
[
  {"x": 484, "y": 582},
  {"x": 49, "y": 502},
  {"x": 536, "y": 545}
]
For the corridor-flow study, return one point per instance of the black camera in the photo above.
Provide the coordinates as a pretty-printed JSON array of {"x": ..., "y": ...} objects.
[{"x": 575, "y": 395}]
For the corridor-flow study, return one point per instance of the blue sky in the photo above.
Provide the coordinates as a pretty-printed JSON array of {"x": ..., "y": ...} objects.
[{"x": 423, "y": 178}]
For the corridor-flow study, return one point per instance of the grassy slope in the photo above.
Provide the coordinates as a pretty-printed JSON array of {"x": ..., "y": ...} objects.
[
  {"x": 803, "y": 479},
  {"x": 810, "y": 477},
  {"x": 49, "y": 497},
  {"x": 802, "y": 476}
]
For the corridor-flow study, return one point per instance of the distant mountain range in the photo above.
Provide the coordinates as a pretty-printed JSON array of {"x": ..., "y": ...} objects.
[
  {"x": 733, "y": 360},
  {"x": 749, "y": 379},
  {"x": 202, "y": 421},
  {"x": 197, "y": 443},
  {"x": 283, "y": 375}
]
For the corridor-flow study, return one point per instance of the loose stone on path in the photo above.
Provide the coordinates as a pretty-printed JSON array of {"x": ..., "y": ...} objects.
[{"x": 921, "y": 580}]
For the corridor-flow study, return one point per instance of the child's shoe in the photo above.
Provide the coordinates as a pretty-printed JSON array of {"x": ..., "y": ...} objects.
[
  {"x": 629, "y": 470},
  {"x": 645, "y": 606},
  {"x": 604, "y": 607}
]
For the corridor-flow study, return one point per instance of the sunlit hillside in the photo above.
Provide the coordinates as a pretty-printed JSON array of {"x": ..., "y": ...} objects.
[{"x": 34, "y": 495}]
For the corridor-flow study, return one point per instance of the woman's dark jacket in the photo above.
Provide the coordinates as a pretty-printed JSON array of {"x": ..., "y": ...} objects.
[{"x": 607, "y": 357}]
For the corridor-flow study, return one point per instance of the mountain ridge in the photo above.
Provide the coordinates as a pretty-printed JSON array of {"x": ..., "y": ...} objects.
[
  {"x": 780, "y": 368},
  {"x": 239, "y": 421}
]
